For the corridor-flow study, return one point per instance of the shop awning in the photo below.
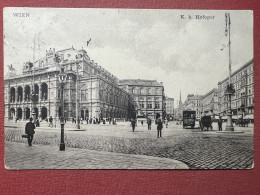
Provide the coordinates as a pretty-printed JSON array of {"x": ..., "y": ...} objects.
[
  {"x": 249, "y": 116},
  {"x": 236, "y": 116}
]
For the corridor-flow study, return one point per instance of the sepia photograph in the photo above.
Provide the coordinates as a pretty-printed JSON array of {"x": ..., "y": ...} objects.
[{"x": 91, "y": 88}]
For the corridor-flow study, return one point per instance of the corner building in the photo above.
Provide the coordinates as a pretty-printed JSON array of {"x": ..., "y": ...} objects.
[
  {"x": 242, "y": 102},
  {"x": 98, "y": 94},
  {"x": 148, "y": 96},
  {"x": 209, "y": 103}
]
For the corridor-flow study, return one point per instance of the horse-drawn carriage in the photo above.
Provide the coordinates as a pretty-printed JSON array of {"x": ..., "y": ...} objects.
[
  {"x": 206, "y": 122},
  {"x": 242, "y": 122}
]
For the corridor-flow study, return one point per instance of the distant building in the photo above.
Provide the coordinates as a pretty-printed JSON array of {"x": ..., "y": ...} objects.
[
  {"x": 169, "y": 107},
  {"x": 242, "y": 102},
  {"x": 209, "y": 103},
  {"x": 99, "y": 94},
  {"x": 148, "y": 96},
  {"x": 179, "y": 110},
  {"x": 193, "y": 102}
]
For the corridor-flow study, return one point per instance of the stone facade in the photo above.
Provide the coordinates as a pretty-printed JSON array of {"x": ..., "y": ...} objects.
[
  {"x": 193, "y": 102},
  {"x": 98, "y": 94},
  {"x": 242, "y": 102},
  {"x": 209, "y": 103},
  {"x": 148, "y": 96},
  {"x": 169, "y": 107}
]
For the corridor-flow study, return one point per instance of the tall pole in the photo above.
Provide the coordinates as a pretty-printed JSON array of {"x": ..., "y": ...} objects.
[
  {"x": 229, "y": 48},
  {"x": 62, "y": 144},
  {"x": 33, "y": 93},
  {"x": 77, "y": 97},
  {"x": 229, "y": 91},
  {"x": 62, "y": 78}
]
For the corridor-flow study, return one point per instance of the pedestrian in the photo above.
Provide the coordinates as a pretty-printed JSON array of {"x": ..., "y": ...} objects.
[
  {"x": 133, "y": 123},
  {"x": 166, "y": 123},
  {"x": 159, "y": 128},
  {"x": 149, "y": 123},
  {"x": 72, "y": 119},
  {"x": 78, "y": 120},
  {"x": 50, "y": 121},
  {"x": 81, "y": 120},
  {"x": 29, "y": 130},
  {"x": 37, "y": 123},
  {"x": 219, "y": 124},
  {"x": 142, "y": 122}
]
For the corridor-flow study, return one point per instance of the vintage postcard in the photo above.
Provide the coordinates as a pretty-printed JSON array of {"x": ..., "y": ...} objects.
[{"x": 128, "y": 88}]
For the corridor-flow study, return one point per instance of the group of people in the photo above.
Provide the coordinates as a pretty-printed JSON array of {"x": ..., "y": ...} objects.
[
  {"x": 95, "y": 120},
  {"x": 158, "y": 122}
]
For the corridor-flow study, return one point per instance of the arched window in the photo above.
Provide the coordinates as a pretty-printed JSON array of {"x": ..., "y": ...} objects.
[
  {"x": 20, "y": 94},
  {"x": 27, "y": 93},
  {"x": 142, "y": 91},
  {"x": 12, "y": 94},
  {"x": 149, "y": 91},
  {"x": 44, "y": 94}
]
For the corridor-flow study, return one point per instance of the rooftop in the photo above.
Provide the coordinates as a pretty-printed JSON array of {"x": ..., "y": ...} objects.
[{"x": 140, "y": 82}]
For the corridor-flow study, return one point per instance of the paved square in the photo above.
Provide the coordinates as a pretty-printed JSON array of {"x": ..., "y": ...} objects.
[{"x": 198, "y": 150}]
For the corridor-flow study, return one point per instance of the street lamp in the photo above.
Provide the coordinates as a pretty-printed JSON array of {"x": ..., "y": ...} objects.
[
  {"x": 62, "y": 79},
  {"x": 65, "y": 115},
  {"x": 34, "y": 100},
  {"x": 230, "y": 90}
]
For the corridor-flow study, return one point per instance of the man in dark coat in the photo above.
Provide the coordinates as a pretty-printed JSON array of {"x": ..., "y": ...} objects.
[
  {"x": 159, "y": 128},
  {"x": 133, "y": 123},
  {"x": 149, "y": 122},
  {"x": 51, "y": 120},
  {"x": 29, "y": 130},
  {"x": 220, "y": 124}
]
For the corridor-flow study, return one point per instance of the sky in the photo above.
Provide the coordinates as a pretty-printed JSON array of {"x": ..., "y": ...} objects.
[{"x": 186, "y": 54}]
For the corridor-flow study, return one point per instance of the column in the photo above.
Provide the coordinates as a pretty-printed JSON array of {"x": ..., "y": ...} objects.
[
  {"x": 24, "y": 95},
  {"x": 17, "y": 96},
  {"x": 40, "y": 92},
  {"x": 23, "y": 114}
]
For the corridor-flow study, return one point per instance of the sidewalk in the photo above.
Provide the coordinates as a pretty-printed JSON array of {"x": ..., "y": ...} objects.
[{"x": 21, "y": 156}]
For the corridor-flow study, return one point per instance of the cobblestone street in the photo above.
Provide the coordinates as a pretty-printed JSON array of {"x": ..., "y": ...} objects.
[{"x": 198, "y": 150}]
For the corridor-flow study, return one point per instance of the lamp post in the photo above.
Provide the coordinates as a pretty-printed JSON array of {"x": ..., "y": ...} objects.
[
  {"x": 62, "y": 79},
  {"x": 65, "y": 115},
  {"x": 34, "y": 100},
  {"x": 77, "y": 95},
  {"x": 230, "y": 88}
]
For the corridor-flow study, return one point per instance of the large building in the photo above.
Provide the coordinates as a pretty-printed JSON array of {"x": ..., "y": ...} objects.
[
  {"x": 98, "y": 94},
  {"x": 242, "y": 102},
  {"x": 169, "y": 107},
  {"x": 209, "y": 103},
  {"x": 148, "y": 96},
  {"x": 193, "y": 102}
]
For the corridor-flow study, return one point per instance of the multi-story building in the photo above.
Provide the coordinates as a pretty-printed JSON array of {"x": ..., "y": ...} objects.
[
  {"x": 148, "y": 96},
  {"x": 209, "y": 103},
  {"x": 98, "y": 93},
  {"x": 242, "y": 102},
  {"x": 193, "y": 102},
  {"x": 169, "y": 107}
]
